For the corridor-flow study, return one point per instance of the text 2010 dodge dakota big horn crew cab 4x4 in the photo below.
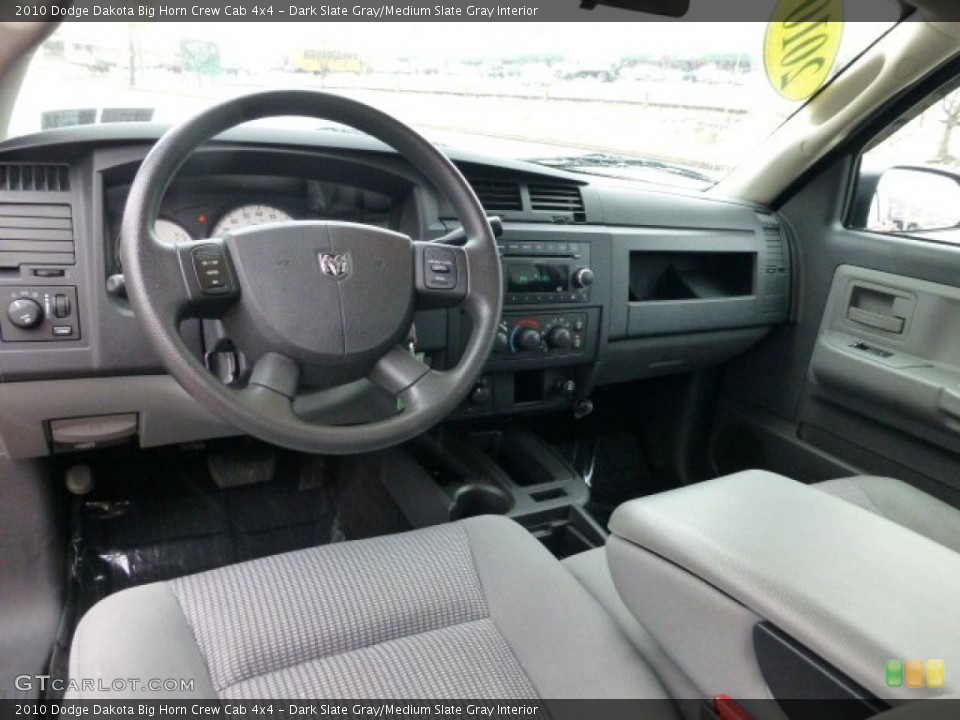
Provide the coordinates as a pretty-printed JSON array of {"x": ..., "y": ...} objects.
[{"x": 474, "y": 368}]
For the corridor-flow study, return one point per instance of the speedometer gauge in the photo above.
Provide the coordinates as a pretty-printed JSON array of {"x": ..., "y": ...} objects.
[
  {"x": 166, "y": 231},
  {"x": 247, "y": 216},
  {"x": 170, "y": 232}
]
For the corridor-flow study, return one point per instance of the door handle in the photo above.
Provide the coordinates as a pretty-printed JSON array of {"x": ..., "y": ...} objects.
[{"x": 880, "y": 321}]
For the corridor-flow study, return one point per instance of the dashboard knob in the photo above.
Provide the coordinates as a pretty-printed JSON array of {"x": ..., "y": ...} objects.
[
  {"x": 560, "y": 338},
  {"x": 583, "y": 277},
  {"x": 481, "y": 395},
  {"x": 501, "y": 342},
  {"x": 25, "y": 313},
  {"x": 529, "y": 338}
]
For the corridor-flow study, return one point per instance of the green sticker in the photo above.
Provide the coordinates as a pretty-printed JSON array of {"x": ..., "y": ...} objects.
[{"x": 894, "y": 673}]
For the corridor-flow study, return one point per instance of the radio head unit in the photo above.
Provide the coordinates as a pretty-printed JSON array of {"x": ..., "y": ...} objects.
[{"x": 546, "y": 272}]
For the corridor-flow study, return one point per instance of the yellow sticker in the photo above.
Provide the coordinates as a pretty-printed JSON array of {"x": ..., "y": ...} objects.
[{"x": 801, "y": 45}]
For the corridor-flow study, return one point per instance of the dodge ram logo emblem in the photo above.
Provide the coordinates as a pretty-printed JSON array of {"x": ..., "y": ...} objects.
[{"x": 335, "y": 265}]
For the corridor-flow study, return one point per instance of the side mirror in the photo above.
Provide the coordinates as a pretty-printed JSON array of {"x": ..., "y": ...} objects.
[{"x": 917, "y": 200}]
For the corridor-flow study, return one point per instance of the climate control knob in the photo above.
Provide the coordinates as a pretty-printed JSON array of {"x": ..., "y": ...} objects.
[
  {"x": 25, "y": 313},
  {"x": 529, "y": 338},
  {"x": 501, "y": 342},
  {"x": 560, "y": 338}
]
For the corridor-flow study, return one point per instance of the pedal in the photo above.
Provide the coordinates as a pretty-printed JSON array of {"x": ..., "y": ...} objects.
[
  {"x": 313, "y": 472},
  {"x": 242, "y": 466}
]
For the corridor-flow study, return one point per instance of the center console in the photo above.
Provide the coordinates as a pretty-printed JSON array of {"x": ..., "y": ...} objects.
[
  {"x": 757, "y": 585},
  {"x": 555, "y": 281},
  {"x": 505, "y": 471}
]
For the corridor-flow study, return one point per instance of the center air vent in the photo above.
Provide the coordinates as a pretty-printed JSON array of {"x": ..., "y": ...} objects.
[
  {"x": 35, "y": 235},
  {"x": 28, "y": 177},
  {"x": 497, "y": 195},
  {"x": 558, "y": 199}
]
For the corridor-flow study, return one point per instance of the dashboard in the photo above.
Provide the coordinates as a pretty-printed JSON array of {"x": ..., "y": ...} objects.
[
  {"x": 205, "y": 205},
  {"x": 604, "y": 281}
]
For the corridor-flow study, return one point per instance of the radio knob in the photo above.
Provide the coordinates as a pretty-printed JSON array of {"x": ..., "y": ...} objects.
[
  {"x": 583, "y": 277},
  {"x": 25, "y": 313},
  {"x": 560, "y": 338},
  {"x": 529, "y": 338}
]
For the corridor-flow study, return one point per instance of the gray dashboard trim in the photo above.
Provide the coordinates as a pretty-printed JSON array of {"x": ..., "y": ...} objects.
[{"x": 167, "y": 415}]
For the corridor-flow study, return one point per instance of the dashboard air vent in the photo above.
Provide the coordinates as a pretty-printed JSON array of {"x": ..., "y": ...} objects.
[
  {"x": 35, "y": 235},
  {"x": 498, "y": 194},
  {"x": 776, "y": 255},
  {"x": 559, "y": 199},
  {"x": 28, "y": 177}
]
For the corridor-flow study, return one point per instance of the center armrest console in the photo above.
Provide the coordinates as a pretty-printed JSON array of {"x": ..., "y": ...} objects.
[{"x": 724, "y": 572}]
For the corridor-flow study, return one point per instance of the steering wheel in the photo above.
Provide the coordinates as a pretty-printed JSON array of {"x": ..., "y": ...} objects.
[{"x": 313, "y": 304}]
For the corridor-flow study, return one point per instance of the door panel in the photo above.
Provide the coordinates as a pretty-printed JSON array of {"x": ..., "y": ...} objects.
[{"x": 868, "y": 377}]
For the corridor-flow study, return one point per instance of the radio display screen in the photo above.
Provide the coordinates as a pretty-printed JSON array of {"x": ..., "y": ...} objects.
[{"x": 537, "y": 278}]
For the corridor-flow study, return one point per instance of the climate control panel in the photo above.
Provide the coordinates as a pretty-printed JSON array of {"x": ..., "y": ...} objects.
[
  {"x": 542, "y": 335},
  {"x": 39, "y": 314}
]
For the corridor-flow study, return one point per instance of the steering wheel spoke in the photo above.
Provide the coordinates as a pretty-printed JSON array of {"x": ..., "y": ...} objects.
[
  {"x": 272, "y": 388},
  {"x": 397, "y": 371},
  {"x": 411, "y": 381},
  {"x": 276, "y": 372},
  {"x": 442, "y": 275}
]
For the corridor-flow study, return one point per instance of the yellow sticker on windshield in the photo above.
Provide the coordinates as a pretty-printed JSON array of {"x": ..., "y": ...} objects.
[{"x": 801, "y": 45}]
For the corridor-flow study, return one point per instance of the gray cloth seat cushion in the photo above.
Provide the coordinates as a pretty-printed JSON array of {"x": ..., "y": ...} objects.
[
  {"x": 900, "y": 503},
  {"x": 474, "y": 609},
  {"x": 593, "y": 572}
]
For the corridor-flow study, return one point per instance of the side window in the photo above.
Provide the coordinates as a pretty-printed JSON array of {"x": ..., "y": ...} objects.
[{"x": 909, "y": 180}]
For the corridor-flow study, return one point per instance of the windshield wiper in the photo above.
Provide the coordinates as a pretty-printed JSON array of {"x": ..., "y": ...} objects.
[{"x": 612, "y": 162}]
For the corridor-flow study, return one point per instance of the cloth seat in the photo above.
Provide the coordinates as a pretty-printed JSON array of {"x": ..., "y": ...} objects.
[
  {"x": 900, "y": 503},
  {"x": 472, "y": 609}
]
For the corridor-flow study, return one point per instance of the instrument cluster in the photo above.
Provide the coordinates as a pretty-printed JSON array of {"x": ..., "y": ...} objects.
[{"x": 218, "y": 205}]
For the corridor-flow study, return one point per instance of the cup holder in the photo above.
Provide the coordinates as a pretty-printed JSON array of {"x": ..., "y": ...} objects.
[{"x": 480, "y": 499}]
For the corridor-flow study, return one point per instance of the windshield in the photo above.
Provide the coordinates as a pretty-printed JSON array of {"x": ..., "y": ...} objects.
[{"x": 671, "y": 103}]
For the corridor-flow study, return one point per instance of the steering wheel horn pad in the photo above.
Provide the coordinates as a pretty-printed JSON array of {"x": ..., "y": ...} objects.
[{"x": 333, "y": 297}]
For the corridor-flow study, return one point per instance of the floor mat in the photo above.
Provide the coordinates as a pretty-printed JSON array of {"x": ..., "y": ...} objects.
[
  {"x": 167, "y": 518},
  {"x": 157, "y": 515}
]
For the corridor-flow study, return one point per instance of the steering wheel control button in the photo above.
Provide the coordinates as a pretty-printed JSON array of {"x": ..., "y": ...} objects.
[
  {"x": 25, "y": 313},
  {"x": 441, "y": 268},
  {"x": 210, "y": 265}
]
